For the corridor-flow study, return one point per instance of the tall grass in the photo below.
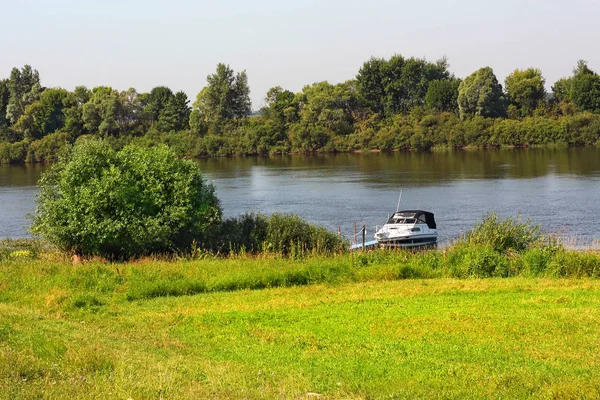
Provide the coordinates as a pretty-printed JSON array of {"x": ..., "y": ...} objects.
[
  {"x": 92, "y": 284},
  {"x": 494, "y": 248}
]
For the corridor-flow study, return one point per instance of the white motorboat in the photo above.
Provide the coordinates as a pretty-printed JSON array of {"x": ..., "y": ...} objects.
[{"x": 408, "y": 228}]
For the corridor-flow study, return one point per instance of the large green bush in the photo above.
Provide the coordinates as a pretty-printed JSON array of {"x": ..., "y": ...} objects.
[{"x": 119, "y": 204}]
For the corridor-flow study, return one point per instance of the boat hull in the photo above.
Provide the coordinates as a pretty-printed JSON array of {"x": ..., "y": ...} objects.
[{"x": 413, "y": 242}]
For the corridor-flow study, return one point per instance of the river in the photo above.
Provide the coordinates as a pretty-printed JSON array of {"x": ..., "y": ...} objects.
[{"x": 557, "y": 188}]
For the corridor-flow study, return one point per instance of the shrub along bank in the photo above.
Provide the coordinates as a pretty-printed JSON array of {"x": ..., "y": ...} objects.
[{"x": 494, "y": 248}]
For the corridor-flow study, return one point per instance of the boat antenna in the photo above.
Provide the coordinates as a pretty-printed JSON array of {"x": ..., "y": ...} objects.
[{"x": 399, "y": 198}]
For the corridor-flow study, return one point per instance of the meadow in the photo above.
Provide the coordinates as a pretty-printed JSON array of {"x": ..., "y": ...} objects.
[{"x": 463, "y": 323}]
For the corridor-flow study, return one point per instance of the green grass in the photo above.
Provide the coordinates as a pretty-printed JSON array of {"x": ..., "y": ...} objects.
[{"x": 351, "y": 326}]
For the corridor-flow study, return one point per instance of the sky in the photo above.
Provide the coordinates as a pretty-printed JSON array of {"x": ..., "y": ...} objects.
[{"x": 177, "y": 43}]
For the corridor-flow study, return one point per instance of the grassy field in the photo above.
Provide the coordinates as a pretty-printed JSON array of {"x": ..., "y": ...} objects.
[{"x": 338, "y": 327}]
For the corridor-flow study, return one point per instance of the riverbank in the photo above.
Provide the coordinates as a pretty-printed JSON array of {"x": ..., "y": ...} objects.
[
  {"x": 435, "y": 132},
  {"x": 345, "y": 326}
]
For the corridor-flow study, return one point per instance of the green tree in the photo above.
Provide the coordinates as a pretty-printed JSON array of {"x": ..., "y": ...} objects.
[
  {"x": 332, "y": 107},
  {"x": 73, "y": 111},
  {"x": 562, "y": 89},
  {"x": 225, "y": 98},
  {"x": 525, "y": 90},
  {"x": 4, "y": 97},
  {"x": 43, "y": 116},
  {"x": 280, "y": 106},
  {"x": 124, "y": 203},
  {"x": 130, "y": 109},
  {"x": 24, "y": 88},
  {"x": 417, "y": 74},
  {"x": 442, "y": 95},
  {"x": 585, "y": 88},
  {"x": 398, "y": 84},
  {"x": 100, "y": 111},
  {"x": 109, "y": 112},
  {"x": 175, "y": 114},
  {"x": 480, "y": 94},
  {"x": 372, "y": 80},
  {"x": 156, "y": 101}
]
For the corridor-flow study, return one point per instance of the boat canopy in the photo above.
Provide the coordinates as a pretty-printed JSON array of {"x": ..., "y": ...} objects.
[{"x": 424, "y": 215}]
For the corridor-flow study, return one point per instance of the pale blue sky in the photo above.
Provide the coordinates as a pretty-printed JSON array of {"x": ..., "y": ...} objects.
[{"x": 142, "y": 44}]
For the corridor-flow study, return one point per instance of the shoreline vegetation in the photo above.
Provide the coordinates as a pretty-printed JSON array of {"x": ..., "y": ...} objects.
[
  {"x": 393, "y": 104},
  {"x": 467, "y": 321}
]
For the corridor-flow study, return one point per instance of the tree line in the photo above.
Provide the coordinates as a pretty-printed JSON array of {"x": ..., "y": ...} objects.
[{"x": 395, "y": 103}]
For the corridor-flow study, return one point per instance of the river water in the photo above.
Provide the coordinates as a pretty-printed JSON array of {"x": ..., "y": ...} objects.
[{"x": 556, "y": 188}]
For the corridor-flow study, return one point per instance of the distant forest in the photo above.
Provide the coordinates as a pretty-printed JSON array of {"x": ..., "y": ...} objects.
[{"x": 392, "y": 104}]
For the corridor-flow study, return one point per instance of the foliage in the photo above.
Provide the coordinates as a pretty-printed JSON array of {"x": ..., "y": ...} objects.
[
  {"x": 290, "y": 235},
  {"x": 442, "y": 95},
  {"x": 525, "y": 91},
  {"x": 24, "y": 88},
  {"x": 44, "y": 116},
  {"x": 225, "y": 98},
  {"x": 393, "y": 104},
  {"x": 480, "y": 94},
  {"x": 124, "y": 203},
  {"x": 283, "y": 234},
  {"x": 504, "y": 235},
  {"x": 48, "y": 149},
  {"x": 585, "y": 88},
  {"x": 398, "y": 84}
]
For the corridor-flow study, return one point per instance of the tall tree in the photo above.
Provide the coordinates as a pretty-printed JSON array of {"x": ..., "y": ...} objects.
[
  {"x": 157, "y": 100},
  {"x": 43, "y": 116},
  {"x": 225, "y": 98},
  {"x": 181, "y": 105},
  {"x": 525, "y": 90},
  {"x": 100, "y": 113},
  {"x": 562, "y": 89},
  {"x": 398, "y": 84},
  {"x": 585, "y": 88},
  {"x": 480, "y": 94},
  {"x": 277, "y": 102},
  {"x": 371, "y": 82},
  {"x": 73, "y": 111},
  {"x": 24, "y": 88},
  {"x": 442, "y": 95},
  {"x": 4, "y": 97}
]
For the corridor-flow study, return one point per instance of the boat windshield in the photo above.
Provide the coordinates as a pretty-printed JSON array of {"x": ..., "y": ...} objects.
[{"x": 394, "y": 220}]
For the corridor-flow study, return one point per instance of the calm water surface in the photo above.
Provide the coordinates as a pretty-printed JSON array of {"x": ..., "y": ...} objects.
[{"x": 557, "y": 188}]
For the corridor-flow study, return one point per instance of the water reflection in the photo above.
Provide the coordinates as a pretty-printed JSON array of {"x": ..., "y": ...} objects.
[
  {"x": 425, "y": 168},
  {"x": 558, "y": 187}
]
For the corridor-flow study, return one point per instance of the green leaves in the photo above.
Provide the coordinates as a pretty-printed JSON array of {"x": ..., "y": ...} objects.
[
  {"x": 525, "y": 90},
  {"x": 126, "y": 203},
  {"x": 398, "y": 84},
  {"x": 480, "y": 94},
  {"x": 225, "y": 98}
]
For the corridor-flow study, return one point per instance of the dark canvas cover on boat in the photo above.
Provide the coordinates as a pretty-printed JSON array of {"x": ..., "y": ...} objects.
[{"x": 429, "y": 218}]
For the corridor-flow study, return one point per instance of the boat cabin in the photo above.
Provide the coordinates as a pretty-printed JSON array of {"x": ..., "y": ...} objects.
[{"x": 413, "y": 217}]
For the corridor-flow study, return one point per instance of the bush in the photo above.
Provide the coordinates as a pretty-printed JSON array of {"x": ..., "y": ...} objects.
[
  {"x": 48, "y": 148},
  {"x": 290, "y": 235},
  {"x": 126, "y": 203},
  {"x": 285, "y": 234},
  {"x": 244, "y": 233},
  {"x": 509, "y": 234}
]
